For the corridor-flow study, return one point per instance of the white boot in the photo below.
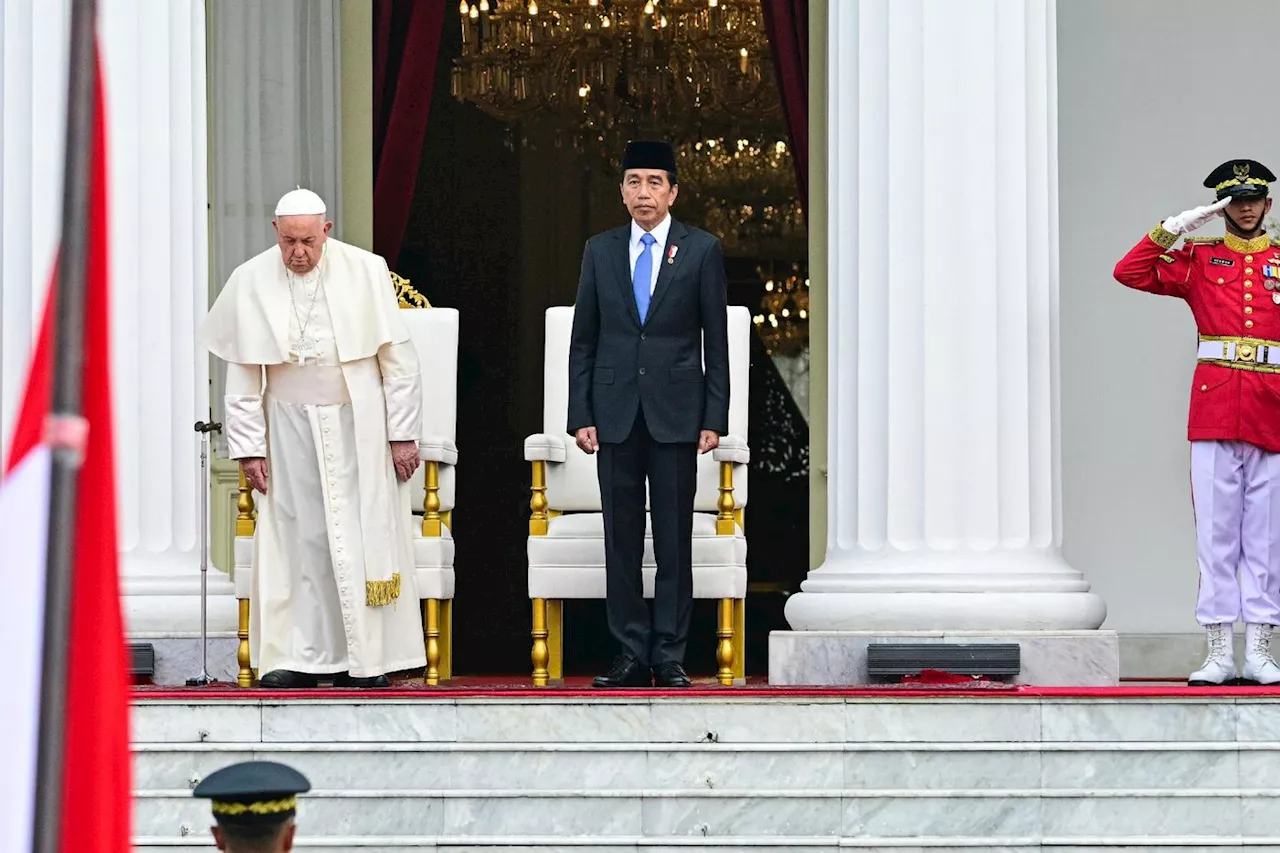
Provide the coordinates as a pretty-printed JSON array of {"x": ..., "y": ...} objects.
[
  {"x": 1259, "y": 666},
  {"x": 1220, "y": 666}
]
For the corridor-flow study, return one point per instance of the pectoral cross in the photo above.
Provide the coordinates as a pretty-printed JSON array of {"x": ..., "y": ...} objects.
[{"x": 306, "y": 349}]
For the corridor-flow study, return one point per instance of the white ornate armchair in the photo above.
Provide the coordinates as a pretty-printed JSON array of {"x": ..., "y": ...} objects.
[
  {"x": 434, "y": 332},
  {"x": 566, "y": 528}
]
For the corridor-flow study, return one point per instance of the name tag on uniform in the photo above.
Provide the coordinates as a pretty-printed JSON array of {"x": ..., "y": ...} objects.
[{"x": 1222, "y": 262}]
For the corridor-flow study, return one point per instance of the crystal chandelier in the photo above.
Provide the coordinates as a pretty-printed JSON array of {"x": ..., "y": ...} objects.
[
  {"x": 746, "y": 194},
  {"x": 619, "y": 69},
  {"x": 783, "y": 320}
]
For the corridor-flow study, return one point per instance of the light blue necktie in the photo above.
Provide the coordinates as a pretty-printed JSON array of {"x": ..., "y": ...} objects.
[{"x": 644, "y": 273}]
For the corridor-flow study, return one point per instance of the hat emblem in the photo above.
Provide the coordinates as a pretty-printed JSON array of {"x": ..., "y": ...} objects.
[{"x": 1241, "y": 170}]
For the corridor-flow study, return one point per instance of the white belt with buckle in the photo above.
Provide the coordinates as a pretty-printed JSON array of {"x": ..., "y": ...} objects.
[{"x": 1241, "y": 351}]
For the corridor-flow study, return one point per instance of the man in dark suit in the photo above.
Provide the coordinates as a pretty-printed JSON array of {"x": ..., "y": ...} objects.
[{"x": 650, "y": 313}]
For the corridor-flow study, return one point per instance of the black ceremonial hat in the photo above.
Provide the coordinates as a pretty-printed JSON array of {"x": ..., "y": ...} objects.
[
  {"x": 1240, "y": 179},
  {"x": 645, "y": 154},
  {"x": 253, "y": 792}
]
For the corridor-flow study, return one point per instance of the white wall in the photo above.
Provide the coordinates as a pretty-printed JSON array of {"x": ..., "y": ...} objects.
[{"x": 1147, "y": 107}]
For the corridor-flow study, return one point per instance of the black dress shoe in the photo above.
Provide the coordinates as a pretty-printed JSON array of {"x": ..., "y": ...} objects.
[
  {"x": 670, "y": 674},
  {"x": 287, "y": 679},
  {"x": 344, "y": 679},
  {"x": 625, "y": 672}
]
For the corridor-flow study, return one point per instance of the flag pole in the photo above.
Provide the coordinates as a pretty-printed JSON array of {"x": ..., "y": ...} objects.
[{"x": 65, "y": 429}]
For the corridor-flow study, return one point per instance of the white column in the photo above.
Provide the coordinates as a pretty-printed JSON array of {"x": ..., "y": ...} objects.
[
  {"x": 33, "y": 97},
  {"x": 154, "y": 73},
  {"x": 153, "y": 64},
  {"x": 944, "y": 509}
]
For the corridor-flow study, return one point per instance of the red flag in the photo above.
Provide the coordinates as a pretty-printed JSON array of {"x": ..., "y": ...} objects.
[
  {"x": 97, "y": 779},
  {"x": 96, "y": 806}
]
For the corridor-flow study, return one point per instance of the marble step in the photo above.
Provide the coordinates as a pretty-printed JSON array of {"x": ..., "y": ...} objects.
[
  {"x": 727, "y": 767},
  {"x": 728, "y": 720},
  {"x": 704, "y": 813},
  {"x": 740, "y": 845}
]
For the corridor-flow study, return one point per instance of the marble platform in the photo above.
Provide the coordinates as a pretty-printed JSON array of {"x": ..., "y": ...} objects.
[
  {"x": 178, "y": 658},
  {"x": 814, "y": 773},
  {"x": 1048, "y": 658}
]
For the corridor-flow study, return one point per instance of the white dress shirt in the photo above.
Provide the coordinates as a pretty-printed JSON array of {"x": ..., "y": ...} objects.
[{"x": 658, "y": 249}]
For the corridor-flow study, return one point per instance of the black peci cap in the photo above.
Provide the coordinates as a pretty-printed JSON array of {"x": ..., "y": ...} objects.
[{"x": 645, "y": 154}]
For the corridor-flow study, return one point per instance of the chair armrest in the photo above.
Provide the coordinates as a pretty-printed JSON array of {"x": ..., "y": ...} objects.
[
  {"x": 543, "y": 447},
  {"x": 437, "y": 448},
  {"x": 733, "y": 449}
]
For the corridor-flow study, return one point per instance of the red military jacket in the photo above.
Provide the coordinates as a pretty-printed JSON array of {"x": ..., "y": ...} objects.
[{"x": 1233, "y": 288}]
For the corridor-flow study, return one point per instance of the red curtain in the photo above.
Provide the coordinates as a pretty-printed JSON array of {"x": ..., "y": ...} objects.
[
  {"x": 787, "y": 25},
  {"x": 406, "y": 44}
]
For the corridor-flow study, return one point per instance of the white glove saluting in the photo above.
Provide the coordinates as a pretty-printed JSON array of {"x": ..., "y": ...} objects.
[{"x": 1190, "y": 220}]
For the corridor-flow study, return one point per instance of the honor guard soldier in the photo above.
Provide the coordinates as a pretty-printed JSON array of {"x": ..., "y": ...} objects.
[
  {"x": 254, "y": 804},
  {"x": 1232, "y": 285}
]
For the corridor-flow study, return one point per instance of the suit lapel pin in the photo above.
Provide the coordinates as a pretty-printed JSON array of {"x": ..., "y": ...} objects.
[{"x": 671, "y": 254}]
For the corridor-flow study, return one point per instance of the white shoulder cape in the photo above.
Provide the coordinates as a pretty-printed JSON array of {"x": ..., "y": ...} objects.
[{"x": 249, "y": 321}]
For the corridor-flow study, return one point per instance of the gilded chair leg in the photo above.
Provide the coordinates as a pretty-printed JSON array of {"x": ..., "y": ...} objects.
[
  {"x": 245, "y": 677},
  {"x": 431, "y": 625},
  {"x": 540, "y": 653},
  {"x": 724, "y": 649},
  {"x": 555, "y": 641},
  {"x": 431, "y": 521},
  {"x": 446, "y": 640},
  {"x": 739, "y": 641}
]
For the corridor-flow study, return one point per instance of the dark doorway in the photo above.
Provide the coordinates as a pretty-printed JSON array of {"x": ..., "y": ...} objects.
[{"x": 496, "y": 230}]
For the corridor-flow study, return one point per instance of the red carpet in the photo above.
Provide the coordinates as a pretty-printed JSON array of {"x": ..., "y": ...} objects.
[{"x": 580, "y": 688}]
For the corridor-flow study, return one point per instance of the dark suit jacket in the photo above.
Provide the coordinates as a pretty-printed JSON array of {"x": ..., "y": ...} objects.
[{"x": 617, "y": 363}]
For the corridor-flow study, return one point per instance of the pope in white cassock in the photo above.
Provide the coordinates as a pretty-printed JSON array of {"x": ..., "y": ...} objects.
[{"x": 323, "y": 411}]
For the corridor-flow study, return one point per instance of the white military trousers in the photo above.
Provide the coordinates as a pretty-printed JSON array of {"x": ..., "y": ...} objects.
[{"x": 1235, "y": 488}]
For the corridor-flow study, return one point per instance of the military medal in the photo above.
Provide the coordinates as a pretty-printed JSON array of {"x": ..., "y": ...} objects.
[
  {"x": 1271, "y": 279},
  {"x": 671, "y": 254}
]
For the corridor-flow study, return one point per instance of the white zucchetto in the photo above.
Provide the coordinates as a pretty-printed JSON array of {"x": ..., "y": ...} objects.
[{"x": 300, "y": 202}]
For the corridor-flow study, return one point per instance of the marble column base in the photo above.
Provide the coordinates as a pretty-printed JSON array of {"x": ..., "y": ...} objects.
[
  {"x": 178, "y": 658},
  {"x": 1049, "y": 658},
  {"x": 165, "y": 601}
]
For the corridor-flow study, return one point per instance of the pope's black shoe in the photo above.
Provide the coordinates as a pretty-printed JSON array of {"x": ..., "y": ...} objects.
[
  {"x": 670, "y": 674},
  {"x": 286, "y": 679},
  {"x": 344, "y": 679},
  {"x": 625, "y": 672}
]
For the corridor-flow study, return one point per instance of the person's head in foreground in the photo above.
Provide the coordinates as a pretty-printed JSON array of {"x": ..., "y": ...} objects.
[{"x": 254, "y": 804}]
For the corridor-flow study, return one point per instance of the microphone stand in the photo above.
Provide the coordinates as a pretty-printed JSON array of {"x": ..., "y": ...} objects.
[{"x": 204, "y": 429}]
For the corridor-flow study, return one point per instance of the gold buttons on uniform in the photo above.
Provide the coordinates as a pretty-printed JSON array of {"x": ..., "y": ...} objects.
[
  {"x": 1248, "y": 259},
  {"x": 1248, "y": 296},
  {"x": 1204, "y": 387},
  {"x": 1248, "y": 270},
  {"x": 1248, "y": 283},
  {"x": 1222, "y": 281},
  {"x": 1248, "y": 324},
  {"x": 1248, "y": 309}
]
